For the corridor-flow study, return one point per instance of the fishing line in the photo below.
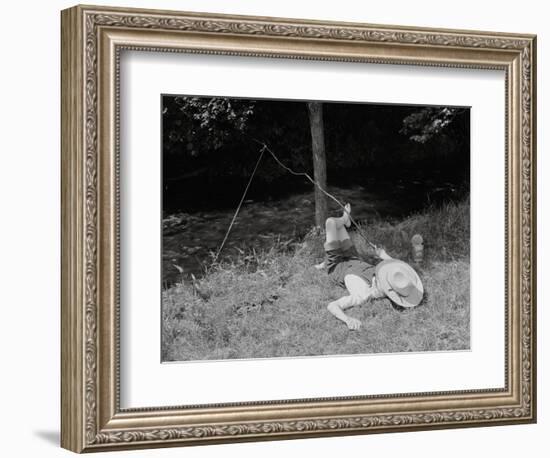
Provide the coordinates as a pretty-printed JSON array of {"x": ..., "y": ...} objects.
[
  {"x": 240, "y": 205},
  {"x": 288, "y": 169}
]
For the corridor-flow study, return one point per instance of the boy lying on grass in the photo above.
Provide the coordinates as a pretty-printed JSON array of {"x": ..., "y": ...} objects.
[{"x": 389, "y": 278}]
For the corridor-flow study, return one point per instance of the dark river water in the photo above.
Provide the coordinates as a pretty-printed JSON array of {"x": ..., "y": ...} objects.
[{"x": 191, "y": 239}]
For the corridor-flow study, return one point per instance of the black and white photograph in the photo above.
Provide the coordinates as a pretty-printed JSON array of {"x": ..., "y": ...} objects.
[
  {"x": 275, "y": 229},
  {"x": 294, "y": 228}
]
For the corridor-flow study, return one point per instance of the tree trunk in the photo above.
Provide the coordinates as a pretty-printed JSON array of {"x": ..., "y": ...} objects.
[{"x": 319, "y": 160}]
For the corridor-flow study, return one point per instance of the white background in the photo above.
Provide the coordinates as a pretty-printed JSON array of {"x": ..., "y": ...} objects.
[
  {"x": 146, "y": 75},
  {"x": 29, "y": 242}
]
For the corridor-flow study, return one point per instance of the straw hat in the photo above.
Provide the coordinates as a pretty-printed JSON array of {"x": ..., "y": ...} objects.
[{"x": 399, "y": 282}]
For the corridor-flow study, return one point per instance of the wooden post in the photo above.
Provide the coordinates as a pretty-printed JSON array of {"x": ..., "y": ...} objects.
[
  {"x": 417, "y": 243},
  {"x": 319, "y": 160}
]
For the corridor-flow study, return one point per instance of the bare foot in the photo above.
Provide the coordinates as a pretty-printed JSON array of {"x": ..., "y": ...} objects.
[
  {"x": 320, "y": 266},
  {"x": 346, "y": 215}
]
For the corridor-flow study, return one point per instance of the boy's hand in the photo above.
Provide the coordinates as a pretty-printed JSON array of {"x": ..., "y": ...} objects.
[
  {"x": 381, "y": 253},
  {"x": 353, "y": 324}
]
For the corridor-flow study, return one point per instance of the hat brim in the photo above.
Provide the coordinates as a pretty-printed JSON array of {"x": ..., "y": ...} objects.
[{"x": 417, "y": 292}]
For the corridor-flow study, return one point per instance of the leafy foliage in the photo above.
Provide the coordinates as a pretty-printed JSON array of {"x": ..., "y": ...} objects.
[
  {"x": 199, "y": 120},
  {"x": 209, "y": 146},
  {"x": 428, "y": 122}
]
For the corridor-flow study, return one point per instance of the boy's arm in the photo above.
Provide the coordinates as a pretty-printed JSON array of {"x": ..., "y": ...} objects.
[
  {"x": 352, "y": 323},
  {"x": 381, "y": 253}
]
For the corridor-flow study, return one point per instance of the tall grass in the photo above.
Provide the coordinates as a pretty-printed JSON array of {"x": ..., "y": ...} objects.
[{"x": 272, "y": 303}]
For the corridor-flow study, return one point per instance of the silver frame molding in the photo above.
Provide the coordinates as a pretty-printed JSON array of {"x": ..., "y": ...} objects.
[{"x": 92, "y": 39}]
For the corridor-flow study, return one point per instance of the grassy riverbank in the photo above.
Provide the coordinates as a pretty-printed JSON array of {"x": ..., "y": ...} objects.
[{"x": 272, "y": 303}]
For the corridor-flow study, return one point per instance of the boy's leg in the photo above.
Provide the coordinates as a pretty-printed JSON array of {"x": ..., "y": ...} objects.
[
  {"x": 336, "y": 227},
  {"x": 343, "y": 234},
  {"x": 332, "y": 232}
]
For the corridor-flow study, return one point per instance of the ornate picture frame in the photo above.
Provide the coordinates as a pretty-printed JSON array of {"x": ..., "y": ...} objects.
[{"x": 92, "y": 40}]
